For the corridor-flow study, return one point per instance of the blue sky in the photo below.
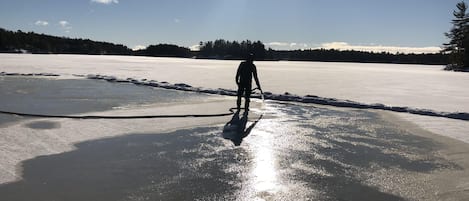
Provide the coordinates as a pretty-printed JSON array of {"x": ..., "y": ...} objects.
[{"x": 392, "y": 25}]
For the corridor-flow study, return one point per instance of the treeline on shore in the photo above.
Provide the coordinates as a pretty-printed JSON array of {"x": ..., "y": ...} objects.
[
  {"x": 19, "y": 41},
  {"x": 359, "y": 56},
  {"x": 30, "y": 42}
]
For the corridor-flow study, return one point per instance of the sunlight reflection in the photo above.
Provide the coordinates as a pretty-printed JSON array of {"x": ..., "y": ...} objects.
[
  {"x": 264, "y": 172},
  {"x": 264, "y": 178}
]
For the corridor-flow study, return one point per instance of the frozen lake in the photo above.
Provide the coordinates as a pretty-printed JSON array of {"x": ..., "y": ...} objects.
[
  {"x": 419, "y": 86},
  {"x": 287, "y": 151}
]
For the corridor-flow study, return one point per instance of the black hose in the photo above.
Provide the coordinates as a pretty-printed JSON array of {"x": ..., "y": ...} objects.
[
  {"x": 120, "y": 117},
  {"x": 123, "y": 117}
]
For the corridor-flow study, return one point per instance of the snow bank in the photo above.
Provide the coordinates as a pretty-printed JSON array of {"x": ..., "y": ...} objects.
[{"x": 289, "y": 97}]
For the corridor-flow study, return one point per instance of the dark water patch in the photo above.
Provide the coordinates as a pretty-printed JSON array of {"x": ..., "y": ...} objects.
[{"x": 43, "y": 125}]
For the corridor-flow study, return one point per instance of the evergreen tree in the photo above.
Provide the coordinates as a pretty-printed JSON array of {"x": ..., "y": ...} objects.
[
  {"x": 458, "y": 46},
  {"x": 165, "y": 50},
  {"x": 223, "y": 49}
]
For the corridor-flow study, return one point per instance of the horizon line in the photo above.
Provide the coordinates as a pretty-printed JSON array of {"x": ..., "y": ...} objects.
[{"x": 290, "y": 46}]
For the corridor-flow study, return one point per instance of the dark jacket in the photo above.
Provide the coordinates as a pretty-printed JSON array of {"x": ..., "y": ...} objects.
[{"x": 246, "y": 71}]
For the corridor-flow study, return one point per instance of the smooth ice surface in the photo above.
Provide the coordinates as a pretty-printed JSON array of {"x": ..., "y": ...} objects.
[
  {"x": 295, "y": 152},
  {"x": 417, "y": 86},
  {"x": 23, "y": 138}
]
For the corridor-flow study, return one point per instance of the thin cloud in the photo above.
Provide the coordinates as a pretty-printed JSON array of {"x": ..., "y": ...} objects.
[
  {"x": 277, "y": 44},
  {"x": 176, "y": 20},
  {"x": 379, "y": 48},
  {"x": 41, "y": 23},
  {"x": 139, "y": 47},
  {"x": 287, "y": 45},
  {"x": 195, "y": 47},
  {"x": 105, "y": 1},
  {"x": 65, "y": 25}
]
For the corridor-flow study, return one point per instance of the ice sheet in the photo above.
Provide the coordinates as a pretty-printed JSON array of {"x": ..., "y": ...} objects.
[{"x": 416, "y": 86}]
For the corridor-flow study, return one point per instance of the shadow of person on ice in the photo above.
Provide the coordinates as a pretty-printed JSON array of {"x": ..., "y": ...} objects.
[{"x": 235, "y": 130}]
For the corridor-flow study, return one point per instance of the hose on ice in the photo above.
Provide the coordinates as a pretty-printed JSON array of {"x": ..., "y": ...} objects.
[{"x": 231, "y": 112}]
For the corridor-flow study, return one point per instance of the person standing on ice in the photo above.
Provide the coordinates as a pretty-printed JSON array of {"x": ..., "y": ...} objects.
[{"x": 246, "y": 71}]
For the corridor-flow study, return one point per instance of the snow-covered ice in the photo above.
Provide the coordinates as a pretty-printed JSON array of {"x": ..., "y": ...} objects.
[{"x": 414, "y": 86}]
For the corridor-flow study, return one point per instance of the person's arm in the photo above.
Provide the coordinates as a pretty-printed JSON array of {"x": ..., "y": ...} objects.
[
  {"x": 254, "y": 72},
  {"x": 238, "y": 74}
]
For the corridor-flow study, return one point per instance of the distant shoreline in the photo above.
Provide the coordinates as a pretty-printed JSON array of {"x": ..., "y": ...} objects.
[
  {"x": 235, "y": 59},
  {"x": 220, "y": 49}
]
